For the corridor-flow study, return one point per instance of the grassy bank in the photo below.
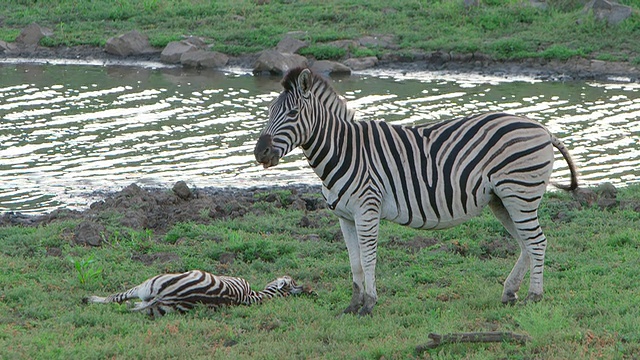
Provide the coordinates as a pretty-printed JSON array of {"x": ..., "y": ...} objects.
[
  {"x": 506, "y": 29},
  {"x": 590, "y": 309}
]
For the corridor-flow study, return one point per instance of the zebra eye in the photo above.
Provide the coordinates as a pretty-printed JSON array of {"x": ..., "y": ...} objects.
[{"x": 292, "y": 113}]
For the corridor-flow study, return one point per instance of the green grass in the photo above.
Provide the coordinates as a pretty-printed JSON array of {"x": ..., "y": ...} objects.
[
  {"x": 503, "y": 29},
  {"x": 590, "y": 309}
]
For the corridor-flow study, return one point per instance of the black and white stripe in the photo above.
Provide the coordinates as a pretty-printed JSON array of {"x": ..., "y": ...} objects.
[
  {"x": 427, "y": 176},
  {"x": 170, "y": 292}
]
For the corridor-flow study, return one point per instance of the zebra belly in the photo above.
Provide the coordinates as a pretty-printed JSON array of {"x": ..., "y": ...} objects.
[{"x": 431, "y": 219}]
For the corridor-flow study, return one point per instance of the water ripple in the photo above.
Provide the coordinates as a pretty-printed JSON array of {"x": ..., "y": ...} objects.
[{"x": 66, "y": 131}]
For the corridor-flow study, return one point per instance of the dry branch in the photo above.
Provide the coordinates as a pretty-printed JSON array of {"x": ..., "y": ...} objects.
[{"x": 493, "y": 336}]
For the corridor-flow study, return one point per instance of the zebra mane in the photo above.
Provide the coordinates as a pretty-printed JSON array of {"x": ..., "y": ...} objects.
[{"x": 320, "y": 85}]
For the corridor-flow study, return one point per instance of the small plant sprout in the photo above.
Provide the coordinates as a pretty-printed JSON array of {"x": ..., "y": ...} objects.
[{"x": 86, "y": 271}]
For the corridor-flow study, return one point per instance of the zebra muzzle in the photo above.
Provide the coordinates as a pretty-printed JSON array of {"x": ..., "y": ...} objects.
[{"x": 265, "y": 153}]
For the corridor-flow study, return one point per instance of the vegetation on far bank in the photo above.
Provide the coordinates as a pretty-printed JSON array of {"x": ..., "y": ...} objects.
[
  {"x": 428, "y": 281},
  {"x": 502, "y": 29}
]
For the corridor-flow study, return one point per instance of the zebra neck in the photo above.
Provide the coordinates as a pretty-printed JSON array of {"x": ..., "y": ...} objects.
[
  {"x": 333, "y": 140},
  {"x": 259, "y": 296}
]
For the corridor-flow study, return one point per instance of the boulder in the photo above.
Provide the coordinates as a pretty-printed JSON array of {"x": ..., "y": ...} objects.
[
  {"x": 290, "y": 45},
  {"x": 174, "y": 50},
  {"x": 361, "y": 63},
  {"x": 89, "y": 233},
  {"x": 204, "y": 59},
  {"x": 182, "y": 190},
  {"x": 330, "y": 67},
  {"x": 609, "y": 11},
  {"x": 131, "y": 43},
  {"x": 277, "y": 63},
  {"x": 32, "y": 34}
]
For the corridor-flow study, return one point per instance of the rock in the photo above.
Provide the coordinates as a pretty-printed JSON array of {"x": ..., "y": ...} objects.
[
  {"x": 584, "y": 196},
  {"x": 607, "y": 204},
  {"x": 173, "y": 51},
  {"x": 298, "y": 204},
  {"x": 607, "y": 194},
  {"x": 88, "y": 233},
  {"x": 277, "y": 63},
  {"x": 131, "y": 43},
  {"x": 361, "y": 63},
  {"x": 32, "y": 34},
  {"x": 204, "y": 59},
  {"x": 607, "y": 191},
  {"x": 182, "y": 190},
  {"x": 609, "y": 11},
  {"x": 330, "y": 67},
  {"x": 6, "y": 47},
  {"x": 290, "y": 45}
]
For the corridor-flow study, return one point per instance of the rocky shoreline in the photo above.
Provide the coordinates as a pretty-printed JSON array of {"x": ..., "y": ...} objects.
[{"x": 541, "y": 69}]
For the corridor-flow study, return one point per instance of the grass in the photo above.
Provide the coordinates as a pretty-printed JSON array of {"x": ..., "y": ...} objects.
[
  {"x": 590, "y": 309},
  {"x": 503, "y": 29}
]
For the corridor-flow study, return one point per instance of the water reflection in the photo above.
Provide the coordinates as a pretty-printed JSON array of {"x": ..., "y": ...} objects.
[{"x": 66, "y": 131}]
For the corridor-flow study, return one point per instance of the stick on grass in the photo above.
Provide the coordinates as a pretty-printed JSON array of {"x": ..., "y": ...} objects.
[{"x": 493, "y": 336}]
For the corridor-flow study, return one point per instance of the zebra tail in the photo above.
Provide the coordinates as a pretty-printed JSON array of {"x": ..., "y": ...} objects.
[
  {"x": 117, "y": 298},
  {"x": 572, "y": 166}
]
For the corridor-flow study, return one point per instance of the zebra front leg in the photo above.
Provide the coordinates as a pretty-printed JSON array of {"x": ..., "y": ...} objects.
[
  {"x": 351, "y": 239},
  {"x": 368, "y": 241}
]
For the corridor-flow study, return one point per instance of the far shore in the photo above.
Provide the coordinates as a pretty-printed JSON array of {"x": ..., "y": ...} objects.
[{"x": 551, "y": 70}]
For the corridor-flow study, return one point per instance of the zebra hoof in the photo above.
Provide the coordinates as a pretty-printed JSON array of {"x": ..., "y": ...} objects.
[
  {"x": 351, "y": 309},
  {"x": 365, "y": 312},
  {"x": 531, "y": 297},
  {"x": 510, "y": 299}
]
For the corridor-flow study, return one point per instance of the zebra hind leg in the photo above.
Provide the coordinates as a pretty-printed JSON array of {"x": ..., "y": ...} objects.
[
  {"x": 523, "y": 212},
  {"x": 512, "y": 284}
]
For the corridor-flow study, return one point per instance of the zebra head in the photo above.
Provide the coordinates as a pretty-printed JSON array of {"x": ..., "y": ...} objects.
[
  {"x": 283, "y": 286},
  {"x": 289, "y": 122}
]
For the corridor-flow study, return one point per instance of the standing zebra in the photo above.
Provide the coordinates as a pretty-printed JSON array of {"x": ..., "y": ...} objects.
[
  {"x": 426, "y": 176},
  {"x": 168, "y": 292}
]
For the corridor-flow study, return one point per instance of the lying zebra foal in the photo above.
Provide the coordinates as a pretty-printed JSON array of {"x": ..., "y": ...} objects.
[{"x": 162, "y": 294}]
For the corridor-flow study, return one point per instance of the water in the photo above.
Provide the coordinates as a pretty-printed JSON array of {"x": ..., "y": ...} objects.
[{"x": 67, "y": 131}]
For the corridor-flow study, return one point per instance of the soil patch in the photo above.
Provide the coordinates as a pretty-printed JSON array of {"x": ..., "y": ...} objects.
[{"x": 160, "y": 209}]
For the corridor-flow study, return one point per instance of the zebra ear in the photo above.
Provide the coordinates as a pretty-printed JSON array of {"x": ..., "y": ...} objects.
[{"x": 304, "y": 80}]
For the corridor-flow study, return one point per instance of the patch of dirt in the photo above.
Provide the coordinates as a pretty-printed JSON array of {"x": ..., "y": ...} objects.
[
  {"x": 160, "y": 209},
  {"x": 506, "y": 247}
]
